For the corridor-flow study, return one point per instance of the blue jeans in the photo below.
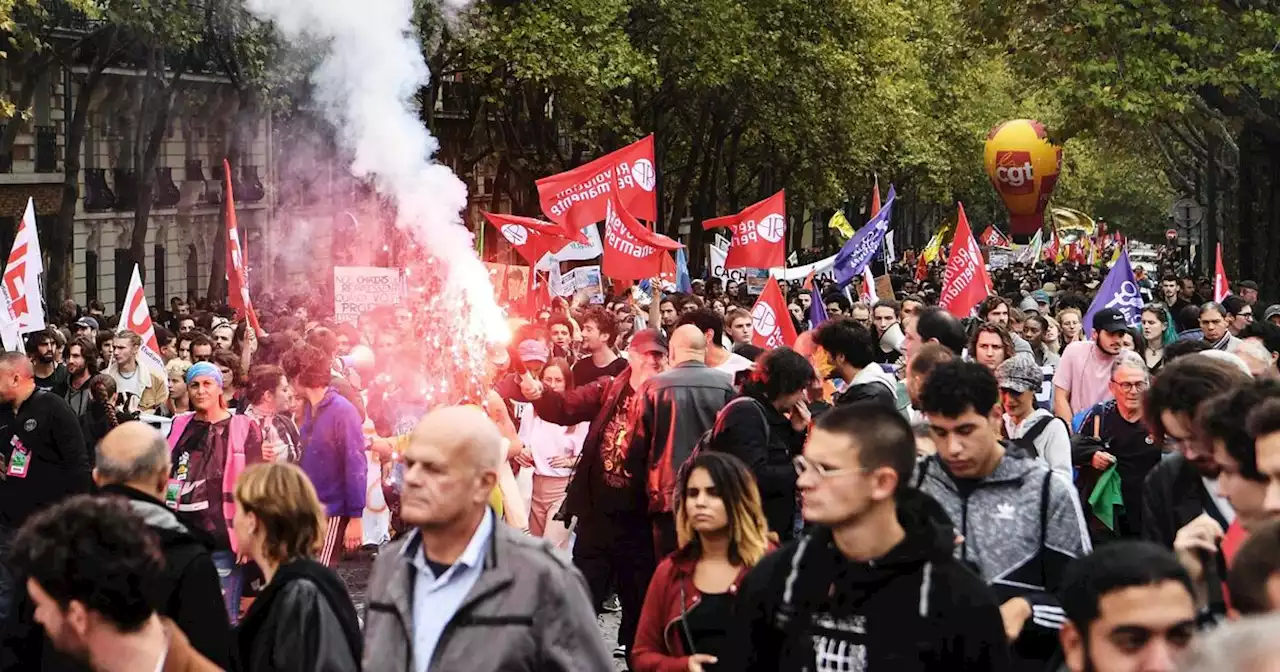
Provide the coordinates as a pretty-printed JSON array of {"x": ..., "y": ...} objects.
[{"x": 231, "y": 577}]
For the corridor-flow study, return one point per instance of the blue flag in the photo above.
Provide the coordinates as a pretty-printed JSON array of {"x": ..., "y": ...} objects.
[
  {"x": 1119, "y": 290},
  {"x": 862, "y": 247},
  {"x": 817, "y": 309},
  {"x": 683, "y": 283}
]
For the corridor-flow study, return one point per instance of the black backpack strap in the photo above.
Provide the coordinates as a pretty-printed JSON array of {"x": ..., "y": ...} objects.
[{"x": 1037, "y": 429}]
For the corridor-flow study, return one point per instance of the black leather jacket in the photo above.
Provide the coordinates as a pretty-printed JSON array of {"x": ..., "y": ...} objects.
[
  {"x": 676, "y": 408},
  {"x": 302, "y": 621}
]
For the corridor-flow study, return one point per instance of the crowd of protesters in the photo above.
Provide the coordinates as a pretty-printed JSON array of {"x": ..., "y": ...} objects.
[{"x": 900, "y": 490}]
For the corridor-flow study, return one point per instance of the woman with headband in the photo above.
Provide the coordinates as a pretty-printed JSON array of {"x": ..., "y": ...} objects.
[{"x": 209, "y": 448}]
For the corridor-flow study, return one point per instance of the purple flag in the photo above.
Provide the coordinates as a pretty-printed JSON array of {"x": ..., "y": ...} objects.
[
  {"x": 862, "y": 247},
  {"x": 1119, "y": 290},
  {"x": 817, "y": 309}
]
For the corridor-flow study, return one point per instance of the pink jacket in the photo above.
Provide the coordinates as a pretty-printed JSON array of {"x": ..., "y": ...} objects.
[{"x": 231, "y": 470}]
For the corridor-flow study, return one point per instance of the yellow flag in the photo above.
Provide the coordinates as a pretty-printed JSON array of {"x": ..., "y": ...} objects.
[
  {"x": 840, "y": 224},
  {"x": 1115, "y": 257},
  {"x": 934, "y": 248}
]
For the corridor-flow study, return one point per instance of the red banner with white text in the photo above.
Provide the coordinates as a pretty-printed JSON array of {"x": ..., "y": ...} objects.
[
  {"x": 966, "y": 282},
  {"x": 578, "y": 197},
  {"x": 759, "y": 234}
]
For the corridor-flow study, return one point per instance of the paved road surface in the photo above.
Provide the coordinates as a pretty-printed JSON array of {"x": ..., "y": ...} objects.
[{"x": 354, "y": 570}]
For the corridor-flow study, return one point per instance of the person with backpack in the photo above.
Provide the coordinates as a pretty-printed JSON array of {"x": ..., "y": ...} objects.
[
  {"x": 872, "y": 583},
  {"x": 1034, "y": 432},
  {"x": 765, "y": 427},
  {"x": 1017, "y": 525}
]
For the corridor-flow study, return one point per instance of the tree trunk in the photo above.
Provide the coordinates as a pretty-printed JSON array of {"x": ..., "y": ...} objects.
[
  {"x": 146, "y": 152},
  {"x": 58, "y": 277}
]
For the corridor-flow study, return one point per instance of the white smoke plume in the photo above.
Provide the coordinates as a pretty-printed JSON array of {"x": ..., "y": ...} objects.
[{"x": 366, "y": 85}]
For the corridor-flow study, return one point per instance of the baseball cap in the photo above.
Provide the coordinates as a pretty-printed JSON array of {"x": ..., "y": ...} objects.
[
  {"x": 1041, "y": 296},
  {"x": 1110, "y": 320},
  {"x": 533, "y": 351},
  {"x": 1019, "y": 373},
  {"x": 1272, "y": 311},
  {"x": 87, "y": 321},
  {"x": 649, "y": 340},
  {"x": 1050, "y": 288},
  {"x": 1027, "y": 304}
]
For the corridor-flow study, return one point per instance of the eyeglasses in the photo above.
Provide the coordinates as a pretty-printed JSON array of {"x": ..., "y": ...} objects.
[
  {"x": 1130, "y": 387},
  {"x": 803, "y": 465}
]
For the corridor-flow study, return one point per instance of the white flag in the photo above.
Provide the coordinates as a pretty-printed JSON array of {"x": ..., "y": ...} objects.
[
  {"x": 20, "y": 292},
  {"x": 135, "y": 316},
  {"x": 889, "y": 255}
]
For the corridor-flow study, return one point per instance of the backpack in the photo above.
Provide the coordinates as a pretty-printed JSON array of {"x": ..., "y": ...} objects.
[
  {"x": 707, "y": 440},
  {"x": 1025, "y": 445}
]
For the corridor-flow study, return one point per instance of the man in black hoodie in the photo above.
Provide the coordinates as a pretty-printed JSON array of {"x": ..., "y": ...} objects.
[
  {"x": 133, "y": 462},
  {"x": 873, "y": 584}
]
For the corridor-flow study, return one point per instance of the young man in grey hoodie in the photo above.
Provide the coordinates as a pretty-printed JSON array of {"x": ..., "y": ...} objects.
[
  {"x": 852, "y": 348},
  {"x": 1018, "y": 524}
]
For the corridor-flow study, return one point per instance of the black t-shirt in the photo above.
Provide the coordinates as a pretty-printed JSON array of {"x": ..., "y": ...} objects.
[
  {"x": 708, "y": 623},
  {"x": 1136, "y": 455},
  {"x": 57, "y": 381},
  {"x": 586, "y": 371}
]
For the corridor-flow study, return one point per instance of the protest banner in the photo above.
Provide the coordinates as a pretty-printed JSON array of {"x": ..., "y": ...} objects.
[
  {"x": 358, "y": 289},
  {"x": 20, "y": 292},
  {"x": 759, "y": 234},
  {"x": 575, "y": 251},
  {"x": 578, "y": 197}
]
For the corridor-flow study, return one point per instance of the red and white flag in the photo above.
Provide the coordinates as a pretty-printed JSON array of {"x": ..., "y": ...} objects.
[
  {"x": 135, "y": 316},
  {"x": 759, "y": 234},
  {"x": 992, "y": 237},
  {"x": 1221, "y": 288},
  {"x": 631, "y": 251},
  {"x": 531, "y": 237},
  {"x": 20, "y": 292},
  {"x": 867, "y": 293},
  {"x": 771, "y": 325},
  {"x": 578, "y": 197},
  {"x": 966, "y": 282},
  {"x": 237, "y": 276}
]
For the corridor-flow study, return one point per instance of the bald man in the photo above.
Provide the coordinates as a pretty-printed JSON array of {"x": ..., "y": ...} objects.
[
  {"x": 133, "y": 463},
  {"x": 525, "y": 605},
  {"x": 42, "y": 456},
  {"x": 677, "y": 408}
]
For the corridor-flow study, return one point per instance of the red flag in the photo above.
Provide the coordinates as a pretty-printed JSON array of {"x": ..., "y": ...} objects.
[
  {"x": 993, "y": 237},
  {"x": 136, "y": 317},
  {"x": 759, "y": 234},
  {"x": 1051, "y": 250},
  {"x": 531, "y": 237},
  {"x": 966, "y": 283},
  {"x": 922, "y": 269},
  {"x": 632, "y": 252},
  {"x": 1221, "y": 288},
  {"x": 237, "y": 278},
  {"x": 875, "y": 198},
  {"x": 578, "y": 197},
  {"x": 771, "y": 325}
]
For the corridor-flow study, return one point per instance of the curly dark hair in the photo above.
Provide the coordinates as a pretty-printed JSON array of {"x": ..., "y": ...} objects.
[
  {"x": 307, "y": 366},
  {"x": 957, "y": 386},
  {"x": 1006, "y": 340},
  {"x": 1183, "y": 385},
  {"x": 606, "y": 323},
  {"x": 95, "y": 551},
  {"x": 1224, "y": 417},
  {"x": 777, "y": 373},
  {"x": 843, "y": 336}
]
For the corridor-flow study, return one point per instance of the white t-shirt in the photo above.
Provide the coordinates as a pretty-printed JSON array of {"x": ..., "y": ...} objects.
[
  {"x": 546, "y": 441},
  {"x": 129, "y": 388},
  {"x": 734, "y": 364},
  {"x": 1215, "y": 492}
]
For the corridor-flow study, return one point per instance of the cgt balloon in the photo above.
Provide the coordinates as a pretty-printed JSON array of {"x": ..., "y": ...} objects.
[{"x": 1023, "y": 167}]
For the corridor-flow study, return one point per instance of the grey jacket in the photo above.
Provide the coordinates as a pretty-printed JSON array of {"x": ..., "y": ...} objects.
[
  {"x": 676, "y": 408},
  {"x": 1021, "y": 526},
  {"x": 529, "y": 610}
]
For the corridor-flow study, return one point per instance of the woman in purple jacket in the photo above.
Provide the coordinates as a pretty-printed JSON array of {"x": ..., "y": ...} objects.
[{"x": 333, "y": 450}]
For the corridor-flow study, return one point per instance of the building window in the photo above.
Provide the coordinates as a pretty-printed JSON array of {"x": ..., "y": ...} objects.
[
  {"x": 90, "y": 276},
  {"x": 158, "y": 275},
  {"x": 193, "y": 273},
  {"x": 46, "y": 149}
]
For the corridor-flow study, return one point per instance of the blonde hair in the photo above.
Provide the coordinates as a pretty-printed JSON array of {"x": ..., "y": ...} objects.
[
  {"x": 1062, "y": 336},
  {"x": 177, "y": 367},
  {"x": 285, "y": 504},
  {"x": 749, "y": 535}
]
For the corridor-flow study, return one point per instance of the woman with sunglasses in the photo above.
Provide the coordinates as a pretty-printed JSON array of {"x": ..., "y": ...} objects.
[{"x": 687, "y": 615}]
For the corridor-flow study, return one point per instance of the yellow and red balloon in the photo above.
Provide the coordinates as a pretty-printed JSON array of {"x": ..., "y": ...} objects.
[{"x": 1023, "y": 166}]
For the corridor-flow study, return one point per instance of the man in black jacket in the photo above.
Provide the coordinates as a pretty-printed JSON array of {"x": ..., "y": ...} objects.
[
  {"x": 852, "y": 350},
  {"x": 676, "y": 408},
  {"x": 607, "y": 492},
  {"x": 873, "y": 583},
  {"x": 1184, "y": 486},
  {"x": 42, "y": 452},
  {"x": 133, "y": 462}
]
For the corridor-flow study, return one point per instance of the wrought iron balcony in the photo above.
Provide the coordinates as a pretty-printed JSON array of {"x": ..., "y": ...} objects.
[
  {"x": 126, "y": 189},
  {"x": 251, "y": 189},
  {"x": 167, "y": 194},
  {"x": 98, "y": 197}
]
